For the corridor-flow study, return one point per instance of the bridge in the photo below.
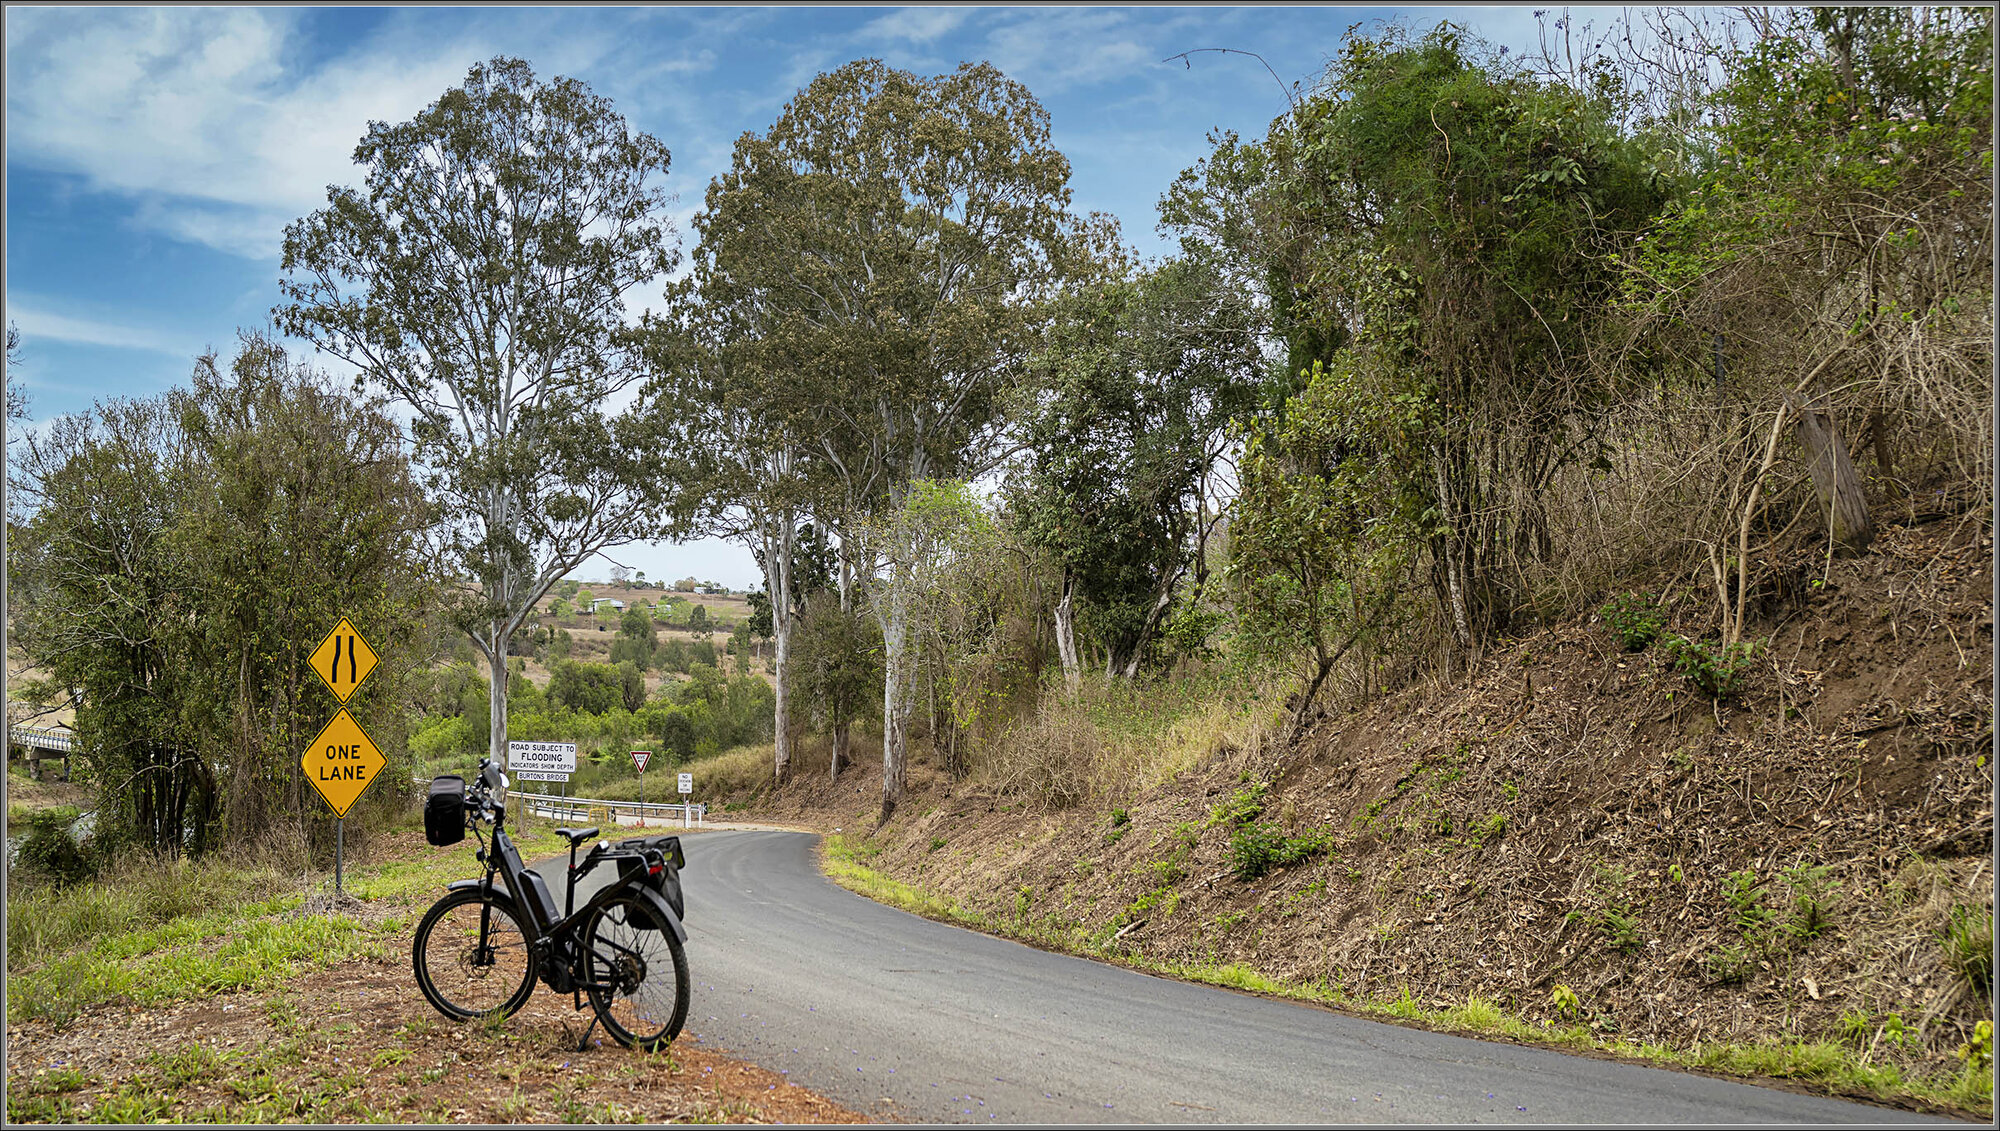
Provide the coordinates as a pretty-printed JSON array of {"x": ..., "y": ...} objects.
[{"x": 39, "y": 744}]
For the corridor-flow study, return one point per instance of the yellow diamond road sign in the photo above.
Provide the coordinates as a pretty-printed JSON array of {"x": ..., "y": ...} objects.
[
  {"x": 343, "y": 660},
  {"x": 341, "y": 762}
]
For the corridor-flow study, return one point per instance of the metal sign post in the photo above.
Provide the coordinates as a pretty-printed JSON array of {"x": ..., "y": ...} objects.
[
  {"x": 342, "y": 761},
  {"x": 639, "y": 759}
]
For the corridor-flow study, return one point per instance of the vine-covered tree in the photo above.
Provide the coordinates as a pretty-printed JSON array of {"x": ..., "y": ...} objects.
[
  {"x": 479, "y": 278},
  {"x": 1450, "y": 227}
]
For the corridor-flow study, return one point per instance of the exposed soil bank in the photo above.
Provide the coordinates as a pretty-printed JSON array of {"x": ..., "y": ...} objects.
[{"x": 1782, "y": 867}]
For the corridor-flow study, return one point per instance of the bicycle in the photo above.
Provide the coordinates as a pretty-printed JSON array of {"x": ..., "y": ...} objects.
[{"x": 479, "y": 949}]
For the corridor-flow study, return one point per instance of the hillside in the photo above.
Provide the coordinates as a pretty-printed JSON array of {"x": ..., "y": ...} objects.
[
  {"x": 591, "y": 635},
  {"x": 1570, "y": 833}
]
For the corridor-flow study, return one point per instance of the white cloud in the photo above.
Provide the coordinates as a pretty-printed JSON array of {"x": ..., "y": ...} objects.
[
  {"x": 918, "y": 25},
  {"x": 38, "y": 323},
  {"x": 194, "y": 113},
  {"x": 1054, "y": 49}
]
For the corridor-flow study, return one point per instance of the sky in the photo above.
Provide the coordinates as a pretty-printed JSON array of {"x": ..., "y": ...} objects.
[{"x": 154, "y": 155}]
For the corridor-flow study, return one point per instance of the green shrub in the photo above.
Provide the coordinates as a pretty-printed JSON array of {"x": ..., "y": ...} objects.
[
  {"x": 1241, "y": 807},
  {"x": 1727, "y": 965},
  {"x": 1812, "y": 898},
  {"x": 1259, "y": 846},
  {"x": 1715, "y": 670},
  {"x": 1978, "y": 1052},
  {"x": 1636, "y": 618},
  {"x": 1121, "y": 823},
  {"x": 50, "y": 853},
  {"x": 1746, "y": 902},
  {"x": 1968, "y": 946}
]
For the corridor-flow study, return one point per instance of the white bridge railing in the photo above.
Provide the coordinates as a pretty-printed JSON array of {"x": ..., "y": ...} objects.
[{"x": 646, "y": 814}]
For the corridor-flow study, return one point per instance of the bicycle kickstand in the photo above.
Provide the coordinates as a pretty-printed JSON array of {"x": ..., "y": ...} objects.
[{"x": 583, "y": 1043}]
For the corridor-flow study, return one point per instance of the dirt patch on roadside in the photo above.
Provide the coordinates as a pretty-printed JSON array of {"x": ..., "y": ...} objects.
[{"x": 356, "y": 1042}]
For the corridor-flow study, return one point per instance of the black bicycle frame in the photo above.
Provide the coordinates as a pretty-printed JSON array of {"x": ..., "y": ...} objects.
[{"x": 500, "y": 850}]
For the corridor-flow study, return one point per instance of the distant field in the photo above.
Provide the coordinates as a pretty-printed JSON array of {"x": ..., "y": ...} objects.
[{"x": 591, "y": 636}]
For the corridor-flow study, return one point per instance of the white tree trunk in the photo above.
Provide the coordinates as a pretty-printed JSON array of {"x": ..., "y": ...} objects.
[
  {"x": 838, "y": 759},
  {"x": 897, "y": 691},
  {"x": 496, "y": 707},
  {"x": 779, "y": 588},
  {"x": 1066, "y": 635}
]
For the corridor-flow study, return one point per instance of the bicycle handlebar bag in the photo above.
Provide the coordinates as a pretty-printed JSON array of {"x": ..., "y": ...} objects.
[{"x": 444, "y": 811}]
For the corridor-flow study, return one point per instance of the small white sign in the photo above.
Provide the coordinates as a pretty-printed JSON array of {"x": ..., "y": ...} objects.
[
  {"x": 527, "y": 758},
  {"x": 640, "y": 758},
  {"x": 537, "y": 775},
  {"x": 687, "y": 783}
]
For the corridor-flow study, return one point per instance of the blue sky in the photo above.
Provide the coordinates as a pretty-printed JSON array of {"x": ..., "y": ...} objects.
[{"x": 154, "y": 155}]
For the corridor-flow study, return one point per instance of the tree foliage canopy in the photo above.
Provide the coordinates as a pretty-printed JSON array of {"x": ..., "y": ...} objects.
[
  {"x": 480, "y": 278},
  {"x": 186, "y": 554}
]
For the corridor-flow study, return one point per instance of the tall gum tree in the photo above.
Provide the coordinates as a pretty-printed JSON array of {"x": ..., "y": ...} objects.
[
  {"x": 733, "y": 397},
  {"x": 901, "y": 234},
  {"x": 479, "y": 279}
]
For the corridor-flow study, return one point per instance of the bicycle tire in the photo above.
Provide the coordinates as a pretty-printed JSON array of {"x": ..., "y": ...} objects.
[
  {"x": 645, "y": 968},
  {"x": 449, "y": 969}
]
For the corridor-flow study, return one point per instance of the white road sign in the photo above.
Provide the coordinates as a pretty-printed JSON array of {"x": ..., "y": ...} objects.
[
  {"x": 527, "y": 759},
  {"x": 687, "y": 783},
  {"x": 536, "y": 775}
]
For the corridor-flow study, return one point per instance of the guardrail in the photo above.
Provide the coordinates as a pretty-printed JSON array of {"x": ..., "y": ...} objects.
[{"x": 643, "y": 814}]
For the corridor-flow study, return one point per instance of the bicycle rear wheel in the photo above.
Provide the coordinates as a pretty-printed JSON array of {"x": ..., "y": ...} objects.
[
  {"x": 466, "y": 974},
  {"x": 638, "y": 974}
]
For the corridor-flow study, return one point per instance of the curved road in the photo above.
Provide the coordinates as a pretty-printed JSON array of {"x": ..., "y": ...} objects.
[{"x": 904, "y": 1018}]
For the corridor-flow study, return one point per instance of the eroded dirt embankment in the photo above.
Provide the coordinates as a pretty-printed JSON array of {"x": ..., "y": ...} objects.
[{"x": 1781, "y": 866}]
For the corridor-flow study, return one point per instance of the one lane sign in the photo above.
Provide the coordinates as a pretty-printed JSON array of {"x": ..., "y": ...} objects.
[{"x": 341, "y": 762}]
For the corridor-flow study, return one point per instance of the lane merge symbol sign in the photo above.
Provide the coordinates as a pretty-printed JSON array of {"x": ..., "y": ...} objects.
[
  {"x": 341, "y": 762},
  {"x": 640, "y": 758},
  {"x": 343, "y": 660}
]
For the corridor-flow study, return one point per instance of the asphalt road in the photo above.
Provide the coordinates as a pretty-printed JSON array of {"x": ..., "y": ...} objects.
[{"x": 904, "y": 1018}]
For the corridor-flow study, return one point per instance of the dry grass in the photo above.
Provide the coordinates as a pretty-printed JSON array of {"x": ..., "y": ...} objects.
[{"x": 1110, "y": 742}]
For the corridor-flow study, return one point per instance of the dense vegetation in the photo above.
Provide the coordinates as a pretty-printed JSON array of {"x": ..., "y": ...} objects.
[{"x": 1468, "y": 342}]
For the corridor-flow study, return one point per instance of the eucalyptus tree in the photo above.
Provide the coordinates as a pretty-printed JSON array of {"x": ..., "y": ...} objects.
[
  {"x": 898, "y": 233},
  {"x": 479, "y": 278},
  {"x": 734, "y": 397},
  {"x": 1139, "y": 384}
]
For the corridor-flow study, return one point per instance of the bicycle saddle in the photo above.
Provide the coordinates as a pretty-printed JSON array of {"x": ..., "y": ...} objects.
[{"x": 576, "y": 836}]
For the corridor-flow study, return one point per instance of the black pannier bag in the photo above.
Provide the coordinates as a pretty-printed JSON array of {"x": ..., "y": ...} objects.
[
  {"x": 444, "y": 811},
  {"x": 665, "y": 851}
]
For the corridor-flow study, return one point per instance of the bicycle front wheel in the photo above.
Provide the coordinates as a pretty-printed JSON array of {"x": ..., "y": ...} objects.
[
  {"x": 637, "y": 974},
  {"x": 472, "y": 957}
]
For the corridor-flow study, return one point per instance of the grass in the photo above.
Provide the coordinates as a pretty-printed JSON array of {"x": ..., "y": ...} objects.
[
  {"x": 734, "y": 772},
  {"x": 1829, "y": 1064},
  {"x": 1117, "y": 739},
  {"x": 182, "y": 930}
]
